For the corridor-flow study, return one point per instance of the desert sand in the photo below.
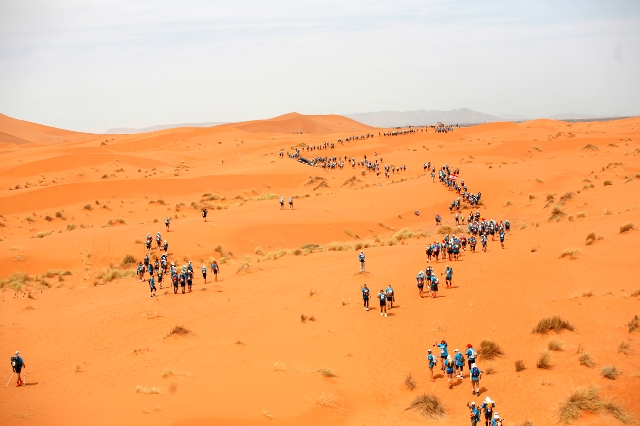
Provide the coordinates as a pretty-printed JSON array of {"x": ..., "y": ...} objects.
[{"x": 80, "y": 203}]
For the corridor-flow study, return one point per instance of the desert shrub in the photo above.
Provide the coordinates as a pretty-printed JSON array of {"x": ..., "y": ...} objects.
[
  {"x": 610, "y": 372},
  {"x": 532, "y": 196},
  {"x": 179, "y": 330},
  {"x": 258, "y": 250},
  {"x": 326, "y": 372},
  {"x": 627, "y": 227},
  {"x": 267, "y": 196},
  {"x": 608, "y": 212},
  {"x": 48, "y": 218},
  {"x": 16, "y": 281},
  {"x": 112, "y": 222},
  {"x": 591, "y": 238},
  {"x": 303, "y": 318},
  {"x": 148, "y": 390},
  {"x": 544, "y": 361},
  {"x": 428, "y": 405},
  {"x": 409, "y": 382},
  {"x": 279, "y": 366},
  {"x": 128, "y": 260},
  {"x": 43, "y": 234},
  {"x": 403, "y": 234},
  {"x": 445, "y": 229},
  {"x": 489, "y": 349},
  {"x": 587, "y": 399},
  {"x": 607, "y": 183},
  {"x": 554, "y": 323},
  {"x": 591, "y": 146},
  {"x": 556, "y": 213},
  {"x": 571, "y": 253},
  {"x": 636, "y": 292},
  {"x": 550, "y": 197},
  {"x": 624, "y": 348},
  {"x": 71, "y": 227},
  {"x": 88, "y": 207},
  {"x": 111, "y": 274},
  {"x": 587, "y": 359},
  {"x": 525, "y": 423},
  {"x": 581, "y": 215},
  {"x": 519, "y": 365},
  {"x": 554, "y": 344},
  {"x": 634, "y": 324}
]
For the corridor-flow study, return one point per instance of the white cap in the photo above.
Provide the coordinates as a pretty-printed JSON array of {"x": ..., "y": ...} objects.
[
  {"x": 487, "y": 399},
  {"x": 496, "y": 416},
  {"x": 473, "y": 403},
  {"x": 455, "y": 350},
  {"x": 17, "y": 352}
]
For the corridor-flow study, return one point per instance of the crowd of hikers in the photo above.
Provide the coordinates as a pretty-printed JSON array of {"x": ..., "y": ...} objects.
[{"x": 160, "y": 266}]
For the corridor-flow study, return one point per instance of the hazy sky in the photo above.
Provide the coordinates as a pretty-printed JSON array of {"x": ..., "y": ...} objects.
[{"x": 92, "y": 65}]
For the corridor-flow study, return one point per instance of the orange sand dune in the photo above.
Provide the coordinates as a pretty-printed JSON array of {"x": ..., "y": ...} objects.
[
  {"x": 98, "y": 349},
  {"x": 20, "y": 131}
]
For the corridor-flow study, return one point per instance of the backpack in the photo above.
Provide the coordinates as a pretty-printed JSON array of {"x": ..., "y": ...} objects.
[
  {"x": 475, "y": 372},
  {"x": 474, "y": 354},
  {"x": 15, "y": 362}
]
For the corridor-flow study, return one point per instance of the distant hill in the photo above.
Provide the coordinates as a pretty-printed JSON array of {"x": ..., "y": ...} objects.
[
  {"x": 20, "y": 131},
  {"x": 307, "y": 124},
  {"x": 422, "y": 117},
  {"x": 133, "y": 131},
  {"x": 572, "y": 116}
]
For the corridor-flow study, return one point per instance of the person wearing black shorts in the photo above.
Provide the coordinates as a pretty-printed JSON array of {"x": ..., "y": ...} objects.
[
  {"x": 365, "y": 297},
  {"x": 214, "y": 269},
  {"x": 183, "y": 279},
  {"x": 382, "y": 296},
  {"x": 174, "y": 280}
]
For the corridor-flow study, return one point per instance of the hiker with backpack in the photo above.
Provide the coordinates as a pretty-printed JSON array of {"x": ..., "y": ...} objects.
[
  {"x": 204, "y": 273},
  {"x": 474, "y": 413},
  {"x": 281, "y": 203},
  {"x": 382, "y": 296},
  {"x": 290, "y": 203},
  {"x": 365, "y": 297},
  {"x": 167, "y": 221},
  {"x": 204, "y": 214},
  {"x": 448, "y": 276},
  {"x": 449, "y": 369},
  {"x": 17, "y": 364},
  {"x": 434, "y": 286},
  {"x": 472, "y": 354},
  {"x": 152, "y": 286},
  {"x": 361, "y": 259},
  {"x": 459, "y": 360},
  {"x": 487, "y": 407},
  {"x": 443, "y": 351},
  {"x": 432, "y": 363},
  {"x": 475, "y": 375},
  {"x": 214, "y": 269},
  {"x": 502, "y": 234},
  {"x": 390, "y": 296},
  {"x": 420, "y": 281}
]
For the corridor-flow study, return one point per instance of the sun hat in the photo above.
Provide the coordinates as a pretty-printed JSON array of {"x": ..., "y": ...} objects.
[
  {"x": 455, "y": 350},
  {"x": 17, "y": 352},
  {"x": 496, "y": 416}
]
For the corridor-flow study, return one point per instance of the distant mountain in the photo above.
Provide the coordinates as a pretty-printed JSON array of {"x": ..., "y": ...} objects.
[
  {"x": 422, "y": 117},
  {"x": 131, "y": 131},
  {"x": 571, "y": 116}
]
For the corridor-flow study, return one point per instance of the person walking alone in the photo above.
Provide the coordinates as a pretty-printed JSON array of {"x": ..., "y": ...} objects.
[{"x": 17, "y": 364}]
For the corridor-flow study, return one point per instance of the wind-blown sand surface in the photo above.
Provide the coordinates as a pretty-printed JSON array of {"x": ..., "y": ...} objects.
[{"x": 249, "y": 359}]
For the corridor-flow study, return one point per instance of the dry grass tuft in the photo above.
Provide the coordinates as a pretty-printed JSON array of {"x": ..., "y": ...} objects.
[
  {"x": 544, "y": 361},
  {"x": 303, "y": 318},
  {"x": 128, "y": 260},
  {"x": 279, "y": 366},
  {"x": 409, "y": 382},
  {"x": 608, "y": 212},
  {"x": 111, "y": 274},
  {"x": 519, "y": 365},
  {"x": 624, "y": 348},
  {"x": 179, "y": 330},
  {"x": 428, "y": 405},
  {"x": 607, "y": 183},
  {"x": 554, "y": 344},
  {"x": 587, "y": 359},
  {"x": 571, "y": 253},
  {"x": 525, "y": 423},
  {"x": 489, "y": 349},
  {"x": 581, "y": 215},
  {"x": 592, "y": 147},
  {"x": 151, "y": 390},
  {"x": 587, "y": 399},
  {"x": 627, "y": 227},
  {"x": 556, "y": 213},
  {"x": 403, "y": 234},
  {"x": 634, "y": 324},
  {"x": 16, "y": 281},
  {"x": 610, "y": 372},
  {"x": 445, "y": 229},
  {"x": 326, "y": 372},
  {"x": 554, "y": 323}
]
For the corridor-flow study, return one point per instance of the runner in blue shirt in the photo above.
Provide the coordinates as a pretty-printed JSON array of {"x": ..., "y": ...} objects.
[
  {"x": 502, "y": 234},
  {"x": 390, "y": 296},
  {"x": 450, "y": 368},
  {"x": 448, "y": 276},
  {"x": 361, "y": 259},
  {"x": 215, "y": 268},
  {"x": 160, "y": 276},
  {"x": 487, "y": 408},
  {"x": 443, "y": 350},
  {"x": 475, "y": 374},
  {"x": 474, "y": 414},
  {"x": 459, "y": 360},
  {"x": 152, "y": 286},
  {"x": 420, "y": 281},
  {"x": 365, "y": 297},
  {"x": 471, "y": 355},
  {"x": 204, "y": 273},
  {"x": 432, "y": 363},
  {"x": 383, "y": 303},
  {"x": 141, "y": 271}
]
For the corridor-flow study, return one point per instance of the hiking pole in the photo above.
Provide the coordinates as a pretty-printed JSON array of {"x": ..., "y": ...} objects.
[{"x": 7, "y": 385}]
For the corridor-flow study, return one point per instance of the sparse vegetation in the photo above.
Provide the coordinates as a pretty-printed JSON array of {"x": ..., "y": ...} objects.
[
  {"x": 42, "y": 234},
  {"x": 587, "y": 359},
  {"x": 607, "y": 183},
  {"x": 351, "y": 234},
  {"x": 16, "y": 281},
  {"x": 591, "y": 146},
  {"x": 303, "y": 318},
  {"x": 627, "y": 227},
  {"x": 554, "y": 323},
  {"x": 554, "y": 344},
  {"x": 519, "y": 365},
  {"x": 624, "y": 348},
  {"x": 445, "y": 229},
  {"x": 179, "y": 330},
  {"x": 634, "y": 324},
  {"x": 266, "y": 196},
  {"x": 409, "y": 382},
  {"x": 544, "y": 361},
  {"x": 489, "y": 349},
  {"x": 112, "y": 274},
  {"x": 148, "y": 390},
  {"x": 326, "y": 372},
  {"x": 428, "y": 405},
  {"x": 112, "y": 222},
  {"x": 608, "y": 212},
  {"x": 403, "y": 234},
  {"x": 610, "y": 372},
  {"x": 279, "y": 366},
  {"x": 591, "y": 238},
  {"x": 571, "y": 253},
  {"x": 587, "y": 399},
  {"x": 88, "y": 207},
  {"x": 580, "y": 215},
  {"x": 556, "y": 213}
]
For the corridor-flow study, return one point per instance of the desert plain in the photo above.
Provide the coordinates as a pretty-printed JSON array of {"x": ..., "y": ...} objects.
[{"x": 98, "y": 350}]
